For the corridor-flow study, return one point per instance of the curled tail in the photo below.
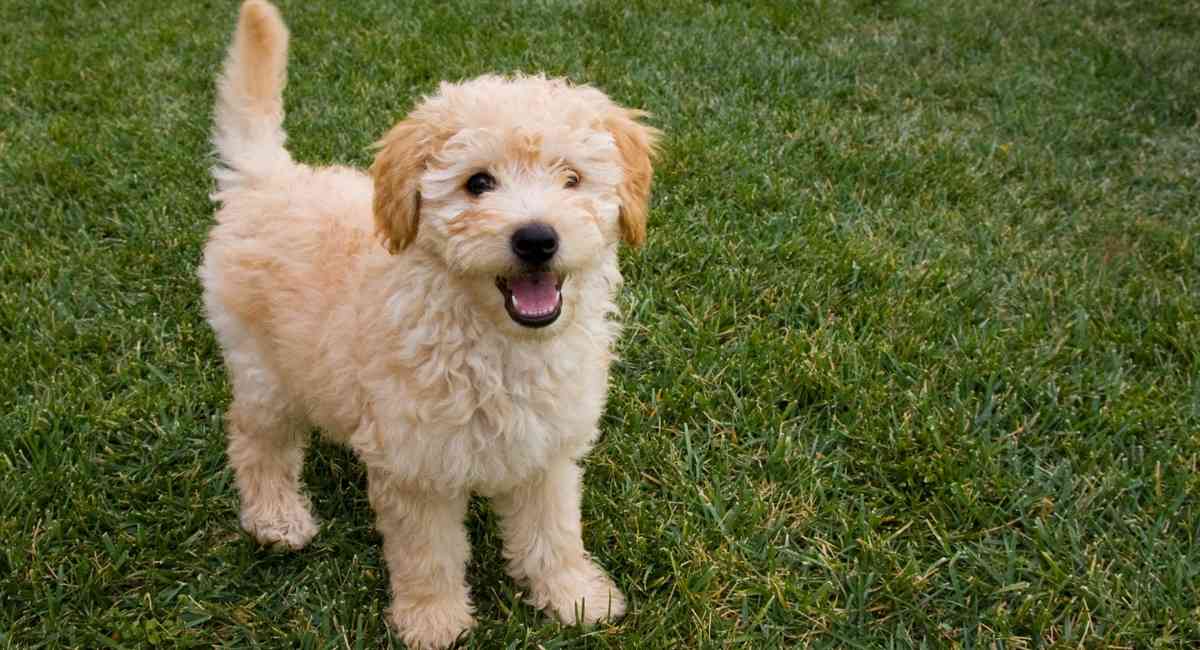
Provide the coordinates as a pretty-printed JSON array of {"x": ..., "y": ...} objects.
[{"x": 249, "y": 133}]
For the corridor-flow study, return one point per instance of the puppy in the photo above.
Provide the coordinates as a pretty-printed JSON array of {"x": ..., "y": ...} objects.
[{"x": 449, "y": 316}]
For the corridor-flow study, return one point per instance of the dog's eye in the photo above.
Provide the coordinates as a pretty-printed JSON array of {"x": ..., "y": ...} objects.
[
  {"x": 572, "y": 179},
  {"x": 480, "y": 183}
]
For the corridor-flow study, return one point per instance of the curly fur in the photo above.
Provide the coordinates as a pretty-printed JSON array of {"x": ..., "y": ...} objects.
[{"x": 366, "y": 305}]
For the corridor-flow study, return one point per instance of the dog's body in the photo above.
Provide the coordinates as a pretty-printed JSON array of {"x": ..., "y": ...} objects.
[{"x": 469, "y": 353}]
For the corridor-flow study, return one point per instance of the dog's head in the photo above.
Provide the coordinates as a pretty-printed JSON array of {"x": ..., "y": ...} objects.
[{"x": 523, "y": 186}]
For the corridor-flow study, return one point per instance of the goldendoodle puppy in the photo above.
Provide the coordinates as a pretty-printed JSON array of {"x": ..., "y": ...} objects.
[{"x": 449, "y": 316}]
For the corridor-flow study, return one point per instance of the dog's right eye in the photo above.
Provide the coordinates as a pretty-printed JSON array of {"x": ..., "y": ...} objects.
[{"x": 480, "y": 183}]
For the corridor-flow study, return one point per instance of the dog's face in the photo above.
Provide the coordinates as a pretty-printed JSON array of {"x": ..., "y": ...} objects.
[{"x": 522, "y": 186}]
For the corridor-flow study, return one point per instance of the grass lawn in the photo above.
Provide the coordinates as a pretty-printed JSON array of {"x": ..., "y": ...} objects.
[{"x": 913, "y": 354}]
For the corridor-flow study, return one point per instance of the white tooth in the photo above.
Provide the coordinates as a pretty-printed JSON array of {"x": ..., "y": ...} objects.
[{"x": 514, "y": 299}]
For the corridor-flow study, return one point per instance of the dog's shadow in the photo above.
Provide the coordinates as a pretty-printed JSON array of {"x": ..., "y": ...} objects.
[{"x": 338, "y": 583}]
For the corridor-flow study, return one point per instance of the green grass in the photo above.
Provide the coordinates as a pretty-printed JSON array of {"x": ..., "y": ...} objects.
[{"x": 913, "y": 355}]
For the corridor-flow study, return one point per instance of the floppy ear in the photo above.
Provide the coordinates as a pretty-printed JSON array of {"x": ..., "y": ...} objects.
[
  {"x": 636, "y": 143},
  {"x": 397, "y": 174}
]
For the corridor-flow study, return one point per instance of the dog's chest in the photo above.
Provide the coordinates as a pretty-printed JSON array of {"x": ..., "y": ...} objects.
[{"x": 485, "y": 417}]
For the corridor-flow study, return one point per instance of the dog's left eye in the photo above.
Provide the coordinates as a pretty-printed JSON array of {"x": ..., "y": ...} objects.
[
  {"x": 480, "y": 183},
  {"x": 572, "y": 179}
]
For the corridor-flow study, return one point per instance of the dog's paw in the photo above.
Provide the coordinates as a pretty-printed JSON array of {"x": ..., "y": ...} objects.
[
  {"x": 580, "y": 594},
  {"x": 432, "y": 625},
  {"x": 282, "y": 526}
]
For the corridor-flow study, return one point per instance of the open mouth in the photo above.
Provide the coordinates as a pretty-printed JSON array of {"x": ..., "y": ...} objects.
[{"x": 532, "y": 299}]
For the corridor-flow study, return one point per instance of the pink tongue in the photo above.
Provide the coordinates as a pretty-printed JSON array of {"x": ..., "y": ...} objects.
[{"x": 534, "y": 294}]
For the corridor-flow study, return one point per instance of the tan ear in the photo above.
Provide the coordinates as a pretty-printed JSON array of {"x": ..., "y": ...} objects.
[
  {"x": 636, "y": 143},
  {"x": 397, "y": 174}
]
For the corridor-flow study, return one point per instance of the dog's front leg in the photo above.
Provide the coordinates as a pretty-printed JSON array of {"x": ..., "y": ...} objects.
[
  {"x": 543, "y": 544},
  {"x": 426, "y": 548}
]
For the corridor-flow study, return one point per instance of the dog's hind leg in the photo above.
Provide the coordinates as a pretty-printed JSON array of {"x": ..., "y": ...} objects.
[{"x": 267, "y": 439}]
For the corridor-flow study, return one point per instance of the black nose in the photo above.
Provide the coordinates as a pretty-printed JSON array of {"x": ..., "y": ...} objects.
[{"x": 535, "y": 243}]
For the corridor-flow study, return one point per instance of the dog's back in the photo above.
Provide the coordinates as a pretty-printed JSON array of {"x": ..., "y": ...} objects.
[{"x": 289, "y": 238}]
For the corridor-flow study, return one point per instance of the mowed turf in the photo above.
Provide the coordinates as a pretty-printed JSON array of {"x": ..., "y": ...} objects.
[{"x": 911, "y": 355}]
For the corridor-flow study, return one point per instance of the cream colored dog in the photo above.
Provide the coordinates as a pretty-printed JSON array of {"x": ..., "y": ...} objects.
[{"x": 467, "y": 353}]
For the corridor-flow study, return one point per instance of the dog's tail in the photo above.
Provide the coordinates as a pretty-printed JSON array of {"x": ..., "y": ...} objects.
[{"x": 249, "y": 133}]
